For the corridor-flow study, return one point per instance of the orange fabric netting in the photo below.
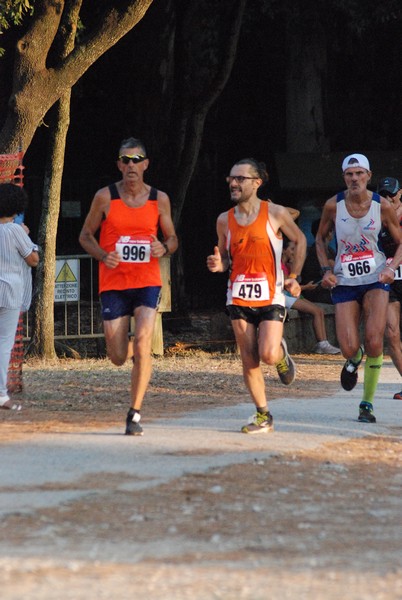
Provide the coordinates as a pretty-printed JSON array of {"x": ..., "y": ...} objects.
[
  {"x": 11, "y": 168},
  {"x": 14, "y": 375}
]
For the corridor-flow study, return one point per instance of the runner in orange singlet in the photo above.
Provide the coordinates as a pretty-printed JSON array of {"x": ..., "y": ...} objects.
[
  {"x": 128, "y": 214},
  {"x": 250, "y": 246}
]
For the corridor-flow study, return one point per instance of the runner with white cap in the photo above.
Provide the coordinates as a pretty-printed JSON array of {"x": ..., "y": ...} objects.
[{"x": 360, "y": 279}]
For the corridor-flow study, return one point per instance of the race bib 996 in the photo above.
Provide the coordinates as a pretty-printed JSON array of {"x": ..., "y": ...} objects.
[{"x": 134, "y": 250}]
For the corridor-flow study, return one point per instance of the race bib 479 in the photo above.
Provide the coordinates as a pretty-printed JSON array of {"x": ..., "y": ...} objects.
[{"x": 251, "y": 286}]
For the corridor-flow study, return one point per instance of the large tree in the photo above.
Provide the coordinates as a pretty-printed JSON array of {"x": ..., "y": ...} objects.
[
  {"x": 49, "y": 60},
  {"x": 198, "y": 54},
  {"x": 41, "y": 77}
]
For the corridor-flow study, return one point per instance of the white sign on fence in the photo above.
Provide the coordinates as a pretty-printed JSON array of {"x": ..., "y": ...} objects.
[{"x": 67, "y": 287}]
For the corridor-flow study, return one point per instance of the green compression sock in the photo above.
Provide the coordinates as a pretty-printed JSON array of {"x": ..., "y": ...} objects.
[
  {"x": 372, "y": 370},
  {"x": 356, "y": 359}
]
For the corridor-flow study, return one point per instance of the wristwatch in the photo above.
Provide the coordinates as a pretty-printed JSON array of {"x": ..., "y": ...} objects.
[{"x": 294, "y": 276}]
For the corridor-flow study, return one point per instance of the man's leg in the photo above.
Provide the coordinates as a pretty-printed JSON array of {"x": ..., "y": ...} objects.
[
  {"x": 142, "y": 367},
  {"x": 270, "y": 334},
  {"x": 246, "y": 339},
  {"x": 272, "y": 349},
  {"x": 347, "y": 318},
  {"x": 116, "y": 336},
  {"x": 266, "y": 345},
  {"x": 375, "y": 307},
  {"x": 140, "y": 352}
]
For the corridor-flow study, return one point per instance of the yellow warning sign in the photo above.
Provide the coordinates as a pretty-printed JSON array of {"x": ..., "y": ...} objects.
[
  {"x": 65, "y": 274},
  {"x": 67, "y": 279}
]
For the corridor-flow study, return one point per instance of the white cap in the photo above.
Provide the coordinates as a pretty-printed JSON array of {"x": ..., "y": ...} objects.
[{"x": 355, "y": 160}]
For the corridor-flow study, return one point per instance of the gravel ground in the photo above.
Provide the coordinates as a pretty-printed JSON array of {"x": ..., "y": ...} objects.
[{"x": 318, "y": 523}]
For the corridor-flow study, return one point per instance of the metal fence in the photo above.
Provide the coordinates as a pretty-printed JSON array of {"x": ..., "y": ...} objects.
[
  {"x": 77, "y": 313},
  {"x": 76, "y": 304}
]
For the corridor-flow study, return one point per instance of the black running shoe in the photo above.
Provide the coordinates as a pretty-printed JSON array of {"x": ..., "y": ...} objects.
[
  {"x": 349, "y": 373},
  {"x": 366, "y": 414},
  {"x": 133, "y": 426}
]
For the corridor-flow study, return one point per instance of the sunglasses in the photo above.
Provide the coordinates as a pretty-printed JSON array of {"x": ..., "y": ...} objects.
[
  {"x": 238, "y": 178},
  {"x": 136, "y": 158}
]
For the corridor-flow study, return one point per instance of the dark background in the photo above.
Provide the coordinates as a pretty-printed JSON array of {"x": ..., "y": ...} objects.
[{"x": 362, "y": 113}]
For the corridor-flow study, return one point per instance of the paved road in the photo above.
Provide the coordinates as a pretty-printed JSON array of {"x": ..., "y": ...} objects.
[
  {"x": 191, "y": 444},
  {"x": 177, "y": 446}
]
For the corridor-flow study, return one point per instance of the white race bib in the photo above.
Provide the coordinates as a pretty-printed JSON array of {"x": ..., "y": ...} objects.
[
  {"x": 398, "y": 273},
  {"x": 251, "y": 286},
  {"x": 134, "y": 250},
  {"x": 358, "y": 264}
]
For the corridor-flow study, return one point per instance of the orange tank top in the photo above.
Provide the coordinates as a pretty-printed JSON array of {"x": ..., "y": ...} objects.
[
  {"x": 255, "y": 252},
  {"x": 128, "y": 230}
]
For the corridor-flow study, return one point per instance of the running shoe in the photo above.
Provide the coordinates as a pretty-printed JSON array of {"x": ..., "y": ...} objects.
[
  {"x": 261, "y": 423},
  {"x": 349, "y": 373},
  {"x": 286, "y": 367},
  {"x": 366, "y": 414},
  {"x": 326, "y": 348},
  {"x": 133, "y": 426},
  {"x": 398, "y": 396}
]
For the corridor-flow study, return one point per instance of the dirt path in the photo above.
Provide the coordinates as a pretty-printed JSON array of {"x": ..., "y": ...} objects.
[{"x": 313, "y": 511}]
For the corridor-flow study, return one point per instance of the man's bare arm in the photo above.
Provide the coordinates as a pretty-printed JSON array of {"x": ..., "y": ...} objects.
[
  {"x": 327, "y": 224},
  {"x": 91, "y": 225},
  {"x": 390, "y": 221},
  {"x": 170, "y": 241},
  {"x": 218, "y": 262},
  {"x": 283, "y": 221}
]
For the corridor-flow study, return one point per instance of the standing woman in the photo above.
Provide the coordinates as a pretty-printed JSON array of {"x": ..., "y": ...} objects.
[{"x": 17, "y": 255}]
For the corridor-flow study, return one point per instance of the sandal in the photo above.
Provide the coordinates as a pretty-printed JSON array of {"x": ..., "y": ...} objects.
[{"x": 9, "y": 404}]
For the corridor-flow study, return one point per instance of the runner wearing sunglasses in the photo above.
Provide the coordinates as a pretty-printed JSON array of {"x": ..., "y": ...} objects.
[
  {"x": 250, "y": 248},
  {"x": 128, "y": 214}
]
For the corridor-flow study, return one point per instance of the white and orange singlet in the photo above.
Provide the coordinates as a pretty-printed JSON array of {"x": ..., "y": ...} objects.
[{"x": 255, "y": 251}]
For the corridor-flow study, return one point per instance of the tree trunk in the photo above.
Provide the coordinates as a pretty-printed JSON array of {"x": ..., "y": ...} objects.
[
  {"x": 306, "y": 70},
  {"x": 42, "y": 341},
  {"x": 203, "y": 61}
]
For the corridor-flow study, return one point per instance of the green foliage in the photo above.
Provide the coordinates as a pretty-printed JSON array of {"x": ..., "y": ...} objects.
[{"x": 12, "y": 12}]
